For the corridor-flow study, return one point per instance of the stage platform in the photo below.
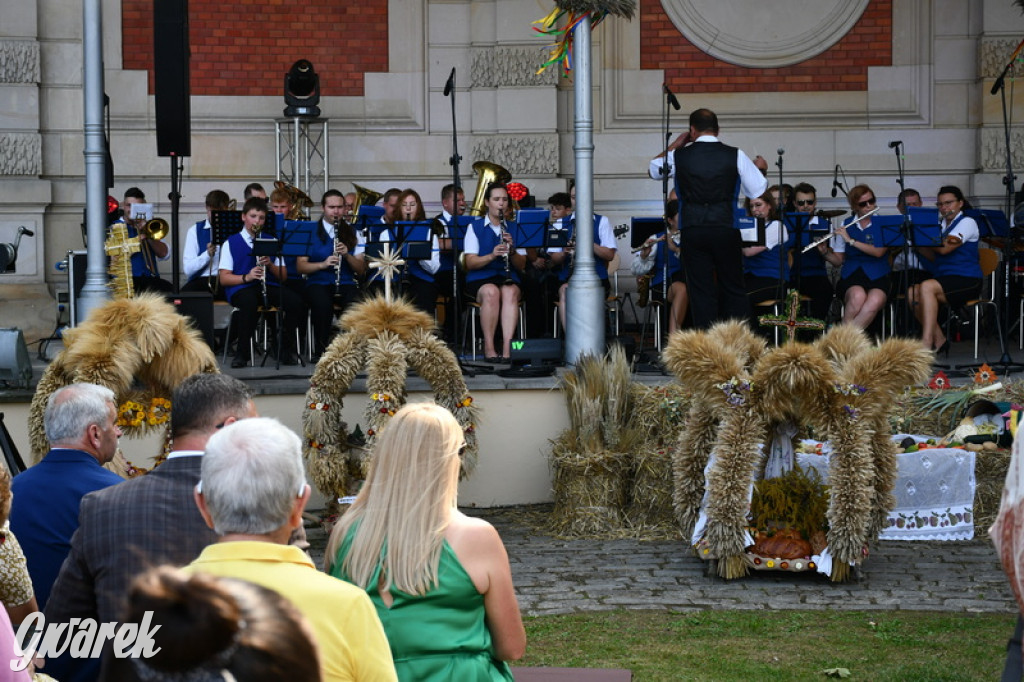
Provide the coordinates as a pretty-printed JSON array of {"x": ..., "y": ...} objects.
[{"x": 519, "y": 417}]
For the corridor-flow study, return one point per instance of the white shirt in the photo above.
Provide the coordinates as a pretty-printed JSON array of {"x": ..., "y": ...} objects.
[
  {"x": 752, "y": 181},
  {"x": 431, "y": 265},
  {"x": 360, "y": 237},
  {"x": 194, "y": 259}
]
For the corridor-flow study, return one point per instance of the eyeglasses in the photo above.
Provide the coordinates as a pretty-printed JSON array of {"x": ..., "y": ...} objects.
[
  {"x": 946, "y": 203},
  {"x": 806, "y": 202},
  {"x": 867, "y": 202}
]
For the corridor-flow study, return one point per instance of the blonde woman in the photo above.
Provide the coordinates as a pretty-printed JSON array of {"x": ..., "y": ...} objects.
[{"x": 440, "y": 580}]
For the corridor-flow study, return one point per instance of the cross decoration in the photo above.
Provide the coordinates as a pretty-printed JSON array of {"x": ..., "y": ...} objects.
[
  {"x": 791, "y": 321},
  {"x": 387, "y": 263},
  {"x": 120, "y": 247}
]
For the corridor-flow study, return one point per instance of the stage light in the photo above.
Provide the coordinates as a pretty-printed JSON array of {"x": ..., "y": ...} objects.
[{"x": 302, "y": 90}]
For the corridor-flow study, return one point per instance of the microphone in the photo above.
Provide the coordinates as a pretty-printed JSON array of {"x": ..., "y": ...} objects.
[
  {"x": 671, "y": 98},
  {"x": 450, "y": 84},
  {"x": 781, "y": 151},
  {"x": 895, "y": 143},
  {"x": 24, "y": 230},
  {"x": 835, "y": 180}
]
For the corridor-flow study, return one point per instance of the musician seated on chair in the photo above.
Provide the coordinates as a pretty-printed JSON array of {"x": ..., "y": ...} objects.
[
  {"x": 814, "y": 278},
  {"x": 492, "y": 272},
  {"x": 282, "y": 203},
  {"x": 956, "y": 272},
  {"x": 145, "y": 273},
  {"x": 379, "y": 232},
  {"x": 766, "y": 268},
  {"x": 251, "y": 284},
  {"x": 864, "y": 284},
  {"x": 419, "y": 275},
  {"x": 334, "y": 261},
  {"x": 453, "y": 203},
  {"x": 651, "y": 260},
  {"x": 201, "y": 255},
  {"x": 605, "y": 247}
]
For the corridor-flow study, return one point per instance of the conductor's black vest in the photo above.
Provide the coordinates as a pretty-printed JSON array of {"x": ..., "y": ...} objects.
[{"x": 707, "y": 183}]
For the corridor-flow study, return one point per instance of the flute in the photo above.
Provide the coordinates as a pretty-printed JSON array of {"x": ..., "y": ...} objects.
[{"x": 832, "y": 233}]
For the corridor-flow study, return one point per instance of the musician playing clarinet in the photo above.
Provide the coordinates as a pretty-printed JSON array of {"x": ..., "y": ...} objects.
[
  {"x": 335, "y": 259},
  {"x": 492, "y": 277},
  {"x": 251, "y": 283},
  {"x": 954, "y": 266}
]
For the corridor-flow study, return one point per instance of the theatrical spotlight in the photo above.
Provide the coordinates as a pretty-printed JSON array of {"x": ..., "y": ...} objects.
[
  {"x": 9, "y": 252},
  {"x": 302, "y": 90}
]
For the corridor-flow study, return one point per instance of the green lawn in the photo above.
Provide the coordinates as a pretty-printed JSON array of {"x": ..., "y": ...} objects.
[{"x": 719, "y": 646}]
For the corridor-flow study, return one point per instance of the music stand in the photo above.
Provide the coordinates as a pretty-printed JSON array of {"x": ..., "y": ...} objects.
[
  {"x": 367, "y": 217},
  {"x": 531, "y": 224},
  {"x": 294, "y": 240},
  {"x": 752, "y": 230},
  {"x": 414, "y": 239},
  {"x": 224, "y": 225},
  {"x": 889, "y": 229},
  {"x": 991, "y": 223}
]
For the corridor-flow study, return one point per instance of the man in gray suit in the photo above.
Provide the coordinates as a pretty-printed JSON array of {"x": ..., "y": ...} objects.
[{"x": 150, "y": 520}]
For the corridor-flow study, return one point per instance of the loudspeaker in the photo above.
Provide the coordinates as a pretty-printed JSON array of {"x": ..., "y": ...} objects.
[
  {"x": 536, "y": 351},
  {"x": 170, "y": 78},
  {"x": 15, "y": 365},
  {"x": 77, "y": 262},
  {"x": 198, "y": 306}
]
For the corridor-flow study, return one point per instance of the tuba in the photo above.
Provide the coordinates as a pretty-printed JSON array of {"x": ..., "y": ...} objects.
[
  {"x": 488, "y": 172},
  {"x": 298, "y": 199},
  {"x": 364, "y": 197}
]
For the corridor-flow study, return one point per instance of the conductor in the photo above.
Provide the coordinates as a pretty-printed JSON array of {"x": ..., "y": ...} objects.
[{"x": 708, "y": 175}]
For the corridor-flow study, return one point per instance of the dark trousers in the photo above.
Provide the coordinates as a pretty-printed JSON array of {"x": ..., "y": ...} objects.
[
  {"x": 423, "y": 294},
  {"x": 713, "y": 260},
  {"x": 248, "y": 302},
  {"x": 205, "y": 285},
  {"x": 154, "y": 284},
  {"x": 1013, "y": 670},
  {"x": 819, "y": 288},
  {"x": 321, "y": 300}
]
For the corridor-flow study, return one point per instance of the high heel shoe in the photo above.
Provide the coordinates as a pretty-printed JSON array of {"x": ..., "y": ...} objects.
[{"x": 943, "y": 350}]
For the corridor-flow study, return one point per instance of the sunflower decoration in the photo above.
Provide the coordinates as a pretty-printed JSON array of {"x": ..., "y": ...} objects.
[
  {"x": 574, "y": 12},
  {"x": 384, "y": 338}
]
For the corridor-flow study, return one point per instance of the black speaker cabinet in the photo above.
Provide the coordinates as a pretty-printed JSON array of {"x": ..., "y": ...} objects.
[
  {"x": 77, "y": 262},
  {"x": 198, "y": 306},
  {"x": 170, "y": 77}
]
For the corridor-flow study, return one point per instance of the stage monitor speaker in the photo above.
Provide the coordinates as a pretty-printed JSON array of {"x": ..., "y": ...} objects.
[
  {"x": 77, "y": 263},
  {"x": 197, "y": 306},
  {"x": 170, "y": 78},
  {"x": 536, "y": 351},
  {"x": 15, "y": 365}
]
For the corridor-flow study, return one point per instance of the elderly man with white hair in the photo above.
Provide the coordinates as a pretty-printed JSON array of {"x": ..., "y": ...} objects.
[
  {"x": 81, "y": 425},
  {"x": 252, "y": 494}
]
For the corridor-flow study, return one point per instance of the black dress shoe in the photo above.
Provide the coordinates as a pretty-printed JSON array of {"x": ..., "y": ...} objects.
[
  {"x": 943, "y": 350},
  {"x": 238, "y": 362}
]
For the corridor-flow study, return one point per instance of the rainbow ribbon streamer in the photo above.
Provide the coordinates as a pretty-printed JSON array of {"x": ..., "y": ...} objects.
[{"x": 561, "y": 49}]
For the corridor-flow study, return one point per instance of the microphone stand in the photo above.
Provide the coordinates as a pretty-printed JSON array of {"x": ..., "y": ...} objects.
[
  {"x": 909, "y": 247},
  {"x": 1005, "y": 361},
  {"x": 664, "y": 203},
  {"x": 780, "y": 287},
  {"x": 454, "y": 160}
]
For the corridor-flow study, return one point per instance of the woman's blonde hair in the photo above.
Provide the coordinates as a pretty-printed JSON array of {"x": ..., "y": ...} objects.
[{"x": 404, "y": 507}]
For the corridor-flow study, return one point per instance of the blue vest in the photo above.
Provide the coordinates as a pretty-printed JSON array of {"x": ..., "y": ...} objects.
[
  {"x": 319, "y": 251},
  {"x": 447, "y": 262},
  {"x": 811, "y": 263},
  {"x": 766, "y": 263},
  {"x": 139, "y": 268},
  {"x": 855, "y": 259},
  {"x": 674, "y": 264},
  {"x": 962, "y": 262},
  {"x": 487, "y": 240},
  {"x": 204, "y": 232},
  {"x": 707, "y": 184},
  {"x": 600, "y": 266},
  {"x": 244, "y": 261}
]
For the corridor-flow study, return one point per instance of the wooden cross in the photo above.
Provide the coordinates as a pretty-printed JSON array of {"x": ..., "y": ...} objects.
[
  {"x": 120, "y": 247},
  {"x": 791, "y": 321},
  {"x": 388, "y": 264}
]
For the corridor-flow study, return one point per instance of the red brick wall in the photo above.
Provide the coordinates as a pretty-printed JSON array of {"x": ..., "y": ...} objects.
[
  {"x": 245, "y": 48},
  {"x": 844, "y": 66}
]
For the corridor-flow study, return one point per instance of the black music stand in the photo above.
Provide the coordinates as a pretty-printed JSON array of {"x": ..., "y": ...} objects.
[
  {"x": 414, "y": 243},
  {"x": 752, "y": 230},
  {"x": 224, "y": 224},
  {"x": 366, "y": 218}
]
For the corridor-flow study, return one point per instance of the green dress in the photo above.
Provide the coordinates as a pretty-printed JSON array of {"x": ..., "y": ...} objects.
[{"x": 441, "y": 635}]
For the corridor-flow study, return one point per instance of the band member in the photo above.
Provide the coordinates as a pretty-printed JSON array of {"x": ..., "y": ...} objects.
[
  {"x": 766, "y": 268},
  {"x": 254, "y": 189},
  {"x": 420, "y": 286},
  {"x": 864, "y": 285},
  {"x": 652, "y": 260},
  {"x": 492, "y": 277},
  {"x": 605, "y": 247},
  {"x": 251, "y": 283},
  {"x": 906, "y": 261},
  {"x": 814, "y": 280},
  {"x": 390, "y": 203},
  {"x": 201, "y": 254},
  {"x": 453, "y": 203},
  {"x": 708, "y": 175},
  {"x": 957, "y": 272},
  {"x": 544, "y": 274},
  {"x": 335, "y": 260},
  {"x": 145, "y": 273}
]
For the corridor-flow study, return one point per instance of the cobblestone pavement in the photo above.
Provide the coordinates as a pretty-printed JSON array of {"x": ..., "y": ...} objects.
[{"x": 555, "y": 576}]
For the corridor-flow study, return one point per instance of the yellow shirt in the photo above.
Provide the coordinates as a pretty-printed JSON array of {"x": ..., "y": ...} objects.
[{"x": 350, "y": 638}]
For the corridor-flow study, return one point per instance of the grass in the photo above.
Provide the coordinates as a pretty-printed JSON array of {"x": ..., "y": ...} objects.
[{"x": 718, "y": 646}]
